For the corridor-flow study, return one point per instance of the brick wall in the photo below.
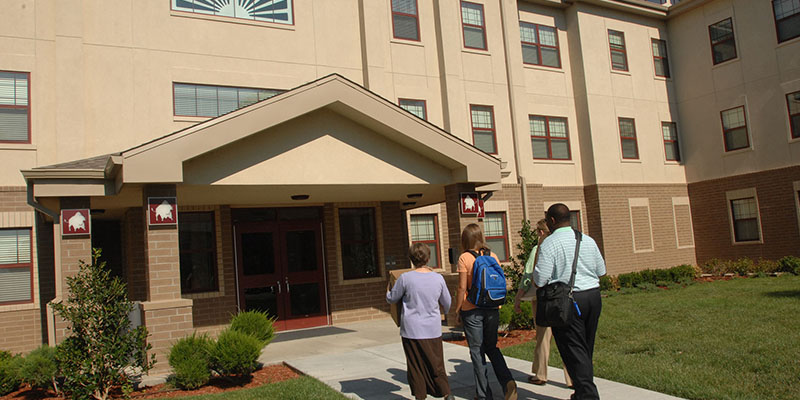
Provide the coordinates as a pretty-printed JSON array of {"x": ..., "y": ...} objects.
[
  {"x": 20, "y": 331},
  {"x": 166, "y": 321},
  {"x": 777, "y": 208},
  {"x": 612, "y": 202}
]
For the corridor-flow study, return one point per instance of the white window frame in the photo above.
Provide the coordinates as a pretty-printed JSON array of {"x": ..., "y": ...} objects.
[
  {"x": 682, "y": 201},
  {"x": 641, "y": 202},
  {"x": 743, "y": 194}
]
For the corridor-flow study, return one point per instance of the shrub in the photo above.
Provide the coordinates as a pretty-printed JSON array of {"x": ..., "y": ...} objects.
[
  {"x": 741, "y": 266},
  {"x": 630, "y": 279},
  {"x": 606, "y": 283},
  {"x": 514, "y": 320},
  {"x": 9, "y": 373},
  {"x": 715, "y": 266},
  {"x": 764, "y": 267},
  {"x": 528, "y": 240},
  {"x": 255, "y": 323},
  {"x": 789, "y": 264},
  {"x": 647, "y": 286},
  {"x": 235, "y": 353},
  {"x": 683, "y": 273},
  {"x": 189, "y": 358},
  {"x": 648, "y": 276},
  {"x": 39, "y": 368},
  {"x": 102, "y": 346}
]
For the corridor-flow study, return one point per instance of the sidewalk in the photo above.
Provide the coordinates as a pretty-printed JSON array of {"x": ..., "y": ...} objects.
[{"x": 366, "y": 361}]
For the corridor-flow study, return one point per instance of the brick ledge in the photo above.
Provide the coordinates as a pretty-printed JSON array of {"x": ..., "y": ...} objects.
[{"x": 165, "y": 304}]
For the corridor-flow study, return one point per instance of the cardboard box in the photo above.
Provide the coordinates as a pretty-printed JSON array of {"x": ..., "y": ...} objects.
[{"x": 396, "y": 309}]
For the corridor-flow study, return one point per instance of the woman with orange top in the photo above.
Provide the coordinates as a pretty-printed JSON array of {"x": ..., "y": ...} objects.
[{"x": 480, "y": 324}]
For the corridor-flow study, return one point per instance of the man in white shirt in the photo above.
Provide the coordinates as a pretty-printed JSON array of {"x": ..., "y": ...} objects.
[{"x": 576, "y": 341}]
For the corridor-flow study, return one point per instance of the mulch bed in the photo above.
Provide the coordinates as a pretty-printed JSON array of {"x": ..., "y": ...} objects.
[
  {"x": 266, "y": 375},
  {"x": 504, "y": 338}
]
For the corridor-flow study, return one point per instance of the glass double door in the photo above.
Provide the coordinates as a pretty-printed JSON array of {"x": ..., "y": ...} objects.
[{"x": 281, "y": 272}]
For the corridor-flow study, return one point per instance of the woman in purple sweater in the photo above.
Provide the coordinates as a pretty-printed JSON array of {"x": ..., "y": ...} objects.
[{"x": 422, "y": 292}]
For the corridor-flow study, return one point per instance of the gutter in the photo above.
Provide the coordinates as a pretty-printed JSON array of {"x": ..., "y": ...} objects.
[{"x": 42, "y": 209}]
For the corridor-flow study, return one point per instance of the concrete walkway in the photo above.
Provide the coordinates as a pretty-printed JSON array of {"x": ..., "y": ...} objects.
[{"x": 366, "y": 361}]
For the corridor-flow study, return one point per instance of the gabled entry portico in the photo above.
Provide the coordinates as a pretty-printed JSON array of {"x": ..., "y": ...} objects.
[{"x": 293, "y": 205}]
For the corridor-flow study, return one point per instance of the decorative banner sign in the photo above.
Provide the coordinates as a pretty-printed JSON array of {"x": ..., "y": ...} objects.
[
  {"x": 75, "y": 222},
  {"x": 470, "y": 203},
  {"x": 162, "y": 211},
  {"x": 481, "y": 209}
]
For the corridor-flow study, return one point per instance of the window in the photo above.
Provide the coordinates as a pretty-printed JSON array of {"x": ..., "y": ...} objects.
[
  {"x": 359, "y": 243},
  {"x": 575, "y": 220},
  {"x": 793, "y": 103},
  {"x": 280, "y": 12},
  {"x": 213, "y": 101},
  {"x": 416, "y": 107},
  {"x": 787, "y": 19},
  {"x": 539, "y": 45},
  {"x": 14, "y": 109},
  {"x": 549, "y": 138},
  {"x": 16, "y": 269},
  {"x": 734, "y": 129},
  {"x": 660, "y": 58},
  {"x": 483, "y": 134},
  {"x": 669, "y": 131},
  {"x": 745, "y": 220},
  {"x": 473, "y": 25},
  {"x": 198, "y": 252},
  {"x": 494, "y": 225},
  {"x": 619, "y": 58},
  {"x": 723, "y": 45},
  {"x": 627, "y": 135},
  {"x": 425, "y": 229},
  {"x": 405, "y": 19}
]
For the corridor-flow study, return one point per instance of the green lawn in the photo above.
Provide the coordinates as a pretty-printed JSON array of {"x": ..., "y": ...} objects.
[
  {"x": 299, "y": 388},
  {"x": 737, "y": 339}
]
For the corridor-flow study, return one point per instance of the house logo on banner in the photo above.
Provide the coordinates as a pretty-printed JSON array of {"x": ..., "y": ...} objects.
[
  {"x": 162, "y": 211},
  {"x": 75, "y": 222},
  {"x": 471, "y": 204}
]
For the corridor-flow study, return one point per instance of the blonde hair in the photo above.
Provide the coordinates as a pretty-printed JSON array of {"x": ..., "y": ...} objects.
[{"x": 472, "y": 238}]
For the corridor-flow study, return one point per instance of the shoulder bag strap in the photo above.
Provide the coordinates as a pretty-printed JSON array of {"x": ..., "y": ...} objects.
[{"x": 578, "y": 236}]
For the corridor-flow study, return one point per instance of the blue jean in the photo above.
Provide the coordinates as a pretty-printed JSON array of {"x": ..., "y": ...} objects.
[{"x": 480, "y": 327}]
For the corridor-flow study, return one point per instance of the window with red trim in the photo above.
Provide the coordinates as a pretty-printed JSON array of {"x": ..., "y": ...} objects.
[
  {"x": 483, "y": 132},
  {"x": 416, "y": 107},
  {"x": 539, "y": 45},
  {"x": 549, "y": 137},
  {"x": 669, "y": 131},
  {"x": 15, "y": 118},
  {"x": 734, "y": 129},
  {"x": 359, "y": 243},
  {"x": 473, "y": 25},
  {"x": 16, "y": 267},
  {"x": 192, "y": 100},
  {"x": 425, "y": 229},
  {"x": 405, "y": 19},
  {"x": 627, "y": 136},
  {"x": 494, "y": 226},
  {"x": 793, "y": 104},
  {"x": 723, "y": 43},
  {"x": 660, "y": 60},
  {"x": 619, "y": 56},
  {"x": 787, "y": 19},
  {"x": 198, "y": 252},
  {"x": 745, "y": 220}
]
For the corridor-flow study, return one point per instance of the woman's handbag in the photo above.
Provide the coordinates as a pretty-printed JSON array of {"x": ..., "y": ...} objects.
[{"x": 554, "y": 302}]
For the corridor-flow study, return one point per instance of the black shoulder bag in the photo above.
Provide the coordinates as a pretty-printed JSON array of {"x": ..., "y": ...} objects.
[{"x": 554, "y": 302}]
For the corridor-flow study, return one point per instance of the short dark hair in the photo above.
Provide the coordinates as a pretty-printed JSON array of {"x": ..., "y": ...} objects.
[
  {"x": 419, "y": 253},
  {"x": 558, "y": 212}
]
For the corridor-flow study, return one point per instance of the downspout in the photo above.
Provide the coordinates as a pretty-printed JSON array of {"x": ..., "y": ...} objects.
[
  {"x": 513, "y": 111},
  {"x": 42, "y": 209}
]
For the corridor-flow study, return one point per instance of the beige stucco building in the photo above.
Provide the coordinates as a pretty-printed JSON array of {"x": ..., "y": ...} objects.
[{"x": 281, "y": 155}]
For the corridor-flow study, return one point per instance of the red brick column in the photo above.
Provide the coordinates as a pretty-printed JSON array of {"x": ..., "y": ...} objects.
[
  {"x": 455, "y": 221},
  {"x": 70, "y": 250},
  {"x": 166, "y": 315}
]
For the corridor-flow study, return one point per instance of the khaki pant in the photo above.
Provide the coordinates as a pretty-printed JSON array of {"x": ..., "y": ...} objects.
[{"x": 541, "y": 353}]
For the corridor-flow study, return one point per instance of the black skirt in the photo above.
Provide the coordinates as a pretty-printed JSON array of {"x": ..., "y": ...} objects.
[{"x": 425, "y": 364}]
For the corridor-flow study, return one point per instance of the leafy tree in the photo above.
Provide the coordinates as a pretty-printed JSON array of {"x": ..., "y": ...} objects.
[
  {"x": 103, "y": 349},
  {"x": 524, "y": 247}
]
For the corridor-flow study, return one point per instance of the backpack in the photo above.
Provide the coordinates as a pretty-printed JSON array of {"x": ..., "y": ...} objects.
[{"x": 488, "y": 288}]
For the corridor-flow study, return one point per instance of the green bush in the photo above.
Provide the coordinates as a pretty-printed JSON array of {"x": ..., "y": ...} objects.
[
  {"x": 716, "y": 266},
  {"x": 102, "y": 347},
  {"x": 9, "y": 373},
  {"x": 630, "y": 280},
  {"x": 39, "y": 368},
  {"x": 189, "y": 358},
  {"x": 683, "y": 273},
  {"x": 742, "y": 266},
  {"x": 255, "y": 323},
  {"x": 789, "y": 264},
  {"x": 235, "y": 353},
  {"x": 606, "y": 283},
  {"x": 514, "y": 320},
  {"x": 648, "y": 275},
  {"x": 763, "y": 266}
]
